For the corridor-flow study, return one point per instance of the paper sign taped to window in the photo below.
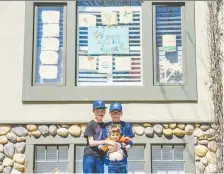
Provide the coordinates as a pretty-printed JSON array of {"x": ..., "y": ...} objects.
[
  {"x": 50, "y": 44},
  {"x": 87, "y": 63},
  {"x": 126, "y": 16},
  {"x": 51, "y": 30},
  {"x": 49, "y": 57},
  {"x": 87, "y": 20},
  {"x": 48, "y": 72},
  {"x": 122, "y": 63},
  {"x": 105, "y": 64},
  {"x": 169, "y": 43},
  {"x": 109, "y": 18},
  {"x": 50, "y": 17}
]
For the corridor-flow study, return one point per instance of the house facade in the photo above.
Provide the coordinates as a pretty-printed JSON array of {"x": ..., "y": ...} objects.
[{"x": 149, "y": 55}]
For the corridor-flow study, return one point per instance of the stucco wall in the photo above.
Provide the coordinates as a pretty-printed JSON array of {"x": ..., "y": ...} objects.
[{"x": 11, "y": 69}]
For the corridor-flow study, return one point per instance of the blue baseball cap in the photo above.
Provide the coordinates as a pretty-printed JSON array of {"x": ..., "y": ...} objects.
[
  {"x": 99, "y": 104},
  {"x": 115, "y": 106}
]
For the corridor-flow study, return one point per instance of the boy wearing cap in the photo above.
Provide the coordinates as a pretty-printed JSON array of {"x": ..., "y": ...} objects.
[
  {"x": 116, "y": 112},
  {"x": 93, "y": 159}
]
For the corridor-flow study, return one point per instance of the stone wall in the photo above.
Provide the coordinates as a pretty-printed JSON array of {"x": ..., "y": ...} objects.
[{"x": 13, "y": 141}]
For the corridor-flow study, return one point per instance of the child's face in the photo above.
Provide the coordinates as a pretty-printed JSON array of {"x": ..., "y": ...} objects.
[
  {"x": 116, "y": 115},
  {"x": 99, "y": 113},
  {"x": 115, "y": 135}
]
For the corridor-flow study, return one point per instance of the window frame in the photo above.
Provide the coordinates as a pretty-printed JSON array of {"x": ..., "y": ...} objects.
[
  {"x": 148, "y": 92},
  {"x": 187, "y": 140}
]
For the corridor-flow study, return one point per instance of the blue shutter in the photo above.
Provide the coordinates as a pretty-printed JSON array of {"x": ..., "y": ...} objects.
[
  {"x": 39, "y": 31},
  {"x": 168, "y": 21},
  {"x": 133, "y": 77}
]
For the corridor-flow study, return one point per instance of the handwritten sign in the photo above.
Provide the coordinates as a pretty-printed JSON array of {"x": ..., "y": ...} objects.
[
  {"x": 87, "y": 63},
  {"x": 109, "y": 18},
  {"x": 108, "y": 40},
  {"x": 87, "y": 20},
  {"x": 105, "y": 64},
  {"x": 126, "y": 15},
  {"x": 169, "y": 43}
]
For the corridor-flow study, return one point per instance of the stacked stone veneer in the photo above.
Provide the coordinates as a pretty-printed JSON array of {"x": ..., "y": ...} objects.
[{"x": 13, "y": 141}]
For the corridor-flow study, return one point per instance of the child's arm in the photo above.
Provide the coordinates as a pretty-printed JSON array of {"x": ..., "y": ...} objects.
[{"x": 93, "y": 142}]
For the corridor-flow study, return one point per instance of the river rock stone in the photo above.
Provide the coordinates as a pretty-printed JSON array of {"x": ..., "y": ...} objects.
[
  {"x": 211, "y": 157},
  {"x": 181, "y": 126},
  {"x": 11, "y": 137},
  {"x": 31, "y": 127},
  {"x": 4, "y": 129},
  {"x": 9, "y": 150},
  {"x": 20, "y": 147},
  {"x": 44, "y": 130},
  {"x": 149, "y": 132},
  {"x": 172, "y": 125},
  {"x": 8, "y": 162},
  {"x": 65, "y": 126},
  {"x": 18, "y": 167},
  {"x": 75, "y": 130},
  {"x": 36, "y": 133},
  {"x": 147, "y": 125},
  {"x": 210, "y": 133},
  {"x": 53, "y": 130},
  {"x": 195, "y": 141},
  {"x": 1, "y": 148},
  {"x": 139, "y": 130},
  {"x": 83, "y": 128},
  {"x": 189, "y": 129},
  {"x": 19, "y": 158},
  {"x": 204, "y": 161},
  {"x": 2, "y": 156},
  {"x": 158, "y": 129},
  {"x": 199, "y": 167},
  {"x": 211, "y": 168},
  {"x": 20, "y": 131},
  {"x": 165, "y": 126},
  {"x": 214, "y": 126},
  {"x": 21, "y": 139},
  {"x": 63, "y": 132},
  {"x": 201, "y": 150},
  {"x": 7, "y": 170},
  {"x": 212, "y": 146},
  {"x": 3, "y": 140},
  {"x": 178, "y": 132},
  {"x": 198, "y": 132},
  {"x": 168, "y": 132},
  {"x": 204, "y": 127},
  {"x": 203, "y": 142},
  {"x": 15, "y": 172},
  {"x": 1, "y": 168},
  {"x": 196, "y": 125}
]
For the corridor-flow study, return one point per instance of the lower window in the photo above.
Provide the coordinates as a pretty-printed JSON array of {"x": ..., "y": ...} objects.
[
  {"x": 168, "y": 159},
  {"x": 50, "y": 158}
]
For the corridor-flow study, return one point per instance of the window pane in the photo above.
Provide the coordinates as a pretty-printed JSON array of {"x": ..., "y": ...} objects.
[
  {"x": 167, "y": 153},
  {"x": 167, "y": 167},
  {"x": 169, "y": 48},
  {"x": 63, "y": 153},
  {"x": 40, "y": 153},
  {"x": 156, "y": 153},
  {"x": 109, "y": 43},
  {"x": 49, "y": 167},
  {"x": 52, "y": 153},
  {"x": 179, "y": 153},
  {"x": 49, "y": 45}
]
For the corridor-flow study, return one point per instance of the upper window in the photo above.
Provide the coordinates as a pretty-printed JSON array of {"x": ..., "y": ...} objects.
[{"x": 85, "y": 50}]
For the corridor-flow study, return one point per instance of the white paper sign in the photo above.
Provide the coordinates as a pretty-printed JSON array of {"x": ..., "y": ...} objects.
[
  {"x": 87, "y": 20},
  {"x": 50, "y": 44},
  {"x": 169, "y": 43},
  {"x": 50, "y": 17},
  {"x": 122, "y": 64},
  {"x": 49, "y": 57},
  {"x": 87, "y": 63},
  {"x": 51, "y": 30},
  {"x": 48, "y": 72},
  {"x": 105, "y": 64},
  {"x": 126, "y": 16},
  {"x": 109, "y": 18}
]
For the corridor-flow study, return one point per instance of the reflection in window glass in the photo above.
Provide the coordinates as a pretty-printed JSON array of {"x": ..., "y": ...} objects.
[
  {"x": 169, "y": 48},
  {"x": 109, "y": 43}
]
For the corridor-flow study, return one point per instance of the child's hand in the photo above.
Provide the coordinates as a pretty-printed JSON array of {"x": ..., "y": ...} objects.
[
  {"x": 100, "y": 147},
  {"x": 127, "y": 147},
  {"x": 110, "y": 142}
]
